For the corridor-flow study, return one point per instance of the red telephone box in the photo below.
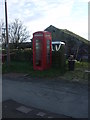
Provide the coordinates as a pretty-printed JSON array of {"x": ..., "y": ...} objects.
[{"x": 42, "y": 51}]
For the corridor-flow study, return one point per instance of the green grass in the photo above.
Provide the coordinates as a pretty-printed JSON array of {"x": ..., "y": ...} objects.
[
  {"x": 79, "y": 73},
  {"x": 20, "y": 67},
  {"x": 27, "y": 68},
  {"x": 50, "y": 73}
]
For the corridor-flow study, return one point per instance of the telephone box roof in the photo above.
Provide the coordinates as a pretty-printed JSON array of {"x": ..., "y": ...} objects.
[{"x": 41, "y": 32}]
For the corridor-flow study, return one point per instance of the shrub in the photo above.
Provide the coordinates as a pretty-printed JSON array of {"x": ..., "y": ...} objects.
[
  {"x": 59, "y": 59},
  {"x": 22, "y": 55}
]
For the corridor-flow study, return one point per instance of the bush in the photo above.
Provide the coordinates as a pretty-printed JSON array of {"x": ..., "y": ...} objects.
[
  {"x": 59, "y": 59},
  {"x": 22, "y": 55}
]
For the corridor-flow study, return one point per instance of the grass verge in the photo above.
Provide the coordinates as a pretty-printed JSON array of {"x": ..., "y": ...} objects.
[{"x": 26, "y": 67}]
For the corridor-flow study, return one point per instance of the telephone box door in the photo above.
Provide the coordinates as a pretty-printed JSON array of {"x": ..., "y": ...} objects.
[{"x": 37, "y": 52}]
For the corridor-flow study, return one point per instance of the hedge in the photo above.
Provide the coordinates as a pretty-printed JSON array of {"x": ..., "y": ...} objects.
[{"x": 59, "y": 59}]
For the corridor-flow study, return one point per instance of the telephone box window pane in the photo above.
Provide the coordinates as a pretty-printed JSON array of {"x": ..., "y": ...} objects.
[
  {"x": 48, "y": 51},
  {"x": 38, "y": 52}
]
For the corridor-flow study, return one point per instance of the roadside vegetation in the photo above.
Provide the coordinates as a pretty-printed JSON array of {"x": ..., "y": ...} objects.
[
  {"x": 27, "y": 68},
  {"x": 21, "y": 53},
  {"x": 22, "y": 62},
  {"x": 77, "y": 75}
]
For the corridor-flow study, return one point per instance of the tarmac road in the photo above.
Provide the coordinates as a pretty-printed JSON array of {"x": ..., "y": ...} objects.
[
  {"x": 57, "y": 96},
  {"x": 12, "y": 109}
]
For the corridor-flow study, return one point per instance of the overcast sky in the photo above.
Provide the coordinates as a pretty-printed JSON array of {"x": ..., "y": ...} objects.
[{"x": 39, "y": 14}]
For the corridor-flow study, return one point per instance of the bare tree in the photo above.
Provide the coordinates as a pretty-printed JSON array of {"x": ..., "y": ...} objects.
[
  {"x": 2, "y": 32},
  {"x": 18, "y": 32}
]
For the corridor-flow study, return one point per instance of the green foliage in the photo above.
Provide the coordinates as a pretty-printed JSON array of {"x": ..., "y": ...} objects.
[
  {"x": 27, "y": 67},
  {"x": 59, "y": 60},
  {"x": 19, "y": 55},
  {"x": 22, "y": 55},
  {"x": 21, "y": 61},
  {"x": 83, "y": 65},
  {"x": 18, "y": 67},
  {"x": 78, "y": 74}
]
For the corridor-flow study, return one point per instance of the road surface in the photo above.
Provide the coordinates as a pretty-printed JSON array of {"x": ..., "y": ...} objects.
[{"x": 57, "y": 96}]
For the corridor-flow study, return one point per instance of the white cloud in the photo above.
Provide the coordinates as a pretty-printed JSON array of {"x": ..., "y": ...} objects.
[
  {"x": 28, "y": 13},
  {"x": 83, "y": 0},
  {"x": 62, "y": 18},
  {"x": 39, "y": 14}
]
